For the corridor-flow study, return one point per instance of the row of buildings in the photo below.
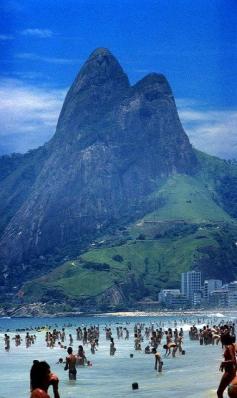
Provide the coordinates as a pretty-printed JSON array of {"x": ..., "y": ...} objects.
[{"x": 194, "y": 293}]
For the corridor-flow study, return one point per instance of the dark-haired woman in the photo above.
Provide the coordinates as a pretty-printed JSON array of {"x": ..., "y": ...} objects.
[
  {"x": 81, "y": 356},
  {"x": 40, "y": 380},
  {"x": 228, "y": 365}
]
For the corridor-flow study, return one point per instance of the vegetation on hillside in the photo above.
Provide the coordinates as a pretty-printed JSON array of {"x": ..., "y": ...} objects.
[{"x": 189, "y": 231}]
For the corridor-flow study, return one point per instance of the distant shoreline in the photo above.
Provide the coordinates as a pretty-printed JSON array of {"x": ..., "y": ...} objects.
[{"x": 219, "y": 313}]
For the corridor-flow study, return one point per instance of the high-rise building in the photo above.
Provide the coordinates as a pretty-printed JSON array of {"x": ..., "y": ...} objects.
[
  {"x": 190, "y": 284},
  {"x": 219, "y": 297},
  {"x": 209, "y": 286},
  {"x": 232, "y": 294}
]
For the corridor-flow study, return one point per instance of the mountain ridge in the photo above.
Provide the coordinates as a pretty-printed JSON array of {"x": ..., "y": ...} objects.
[{"x": 115, "y": 145}]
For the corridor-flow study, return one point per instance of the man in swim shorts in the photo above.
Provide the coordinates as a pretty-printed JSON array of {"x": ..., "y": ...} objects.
[{"x": 71, "y": 364}]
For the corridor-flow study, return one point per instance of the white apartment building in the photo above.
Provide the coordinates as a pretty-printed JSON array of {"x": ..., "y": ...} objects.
[
  {"x": 232, "y": 294},
  {"x": 210, "y": 285},
  {"x": 219, "y": 297},
  {"x": 164, "y": 293},
  {"x": 197, "y": 298},
  {"x": 190, "y": 284}
]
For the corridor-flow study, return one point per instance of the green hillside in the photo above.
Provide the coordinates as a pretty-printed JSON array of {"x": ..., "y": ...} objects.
[
  {"x": 187, "y": 198},
  {"x": 187, "y": 229}
]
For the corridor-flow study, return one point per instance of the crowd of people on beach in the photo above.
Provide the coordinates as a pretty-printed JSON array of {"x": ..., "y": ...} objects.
[
  {"x": 224, "y": 334},
  {"x": 90, "y": 337},
  {"x": 152, "y": 337}
]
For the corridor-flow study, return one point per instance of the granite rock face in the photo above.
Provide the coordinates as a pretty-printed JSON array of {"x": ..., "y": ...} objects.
[{"x": 113, "y": 144}]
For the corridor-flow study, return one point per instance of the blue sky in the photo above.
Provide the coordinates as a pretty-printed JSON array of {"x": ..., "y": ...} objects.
[{"x": 194, "y": 43}]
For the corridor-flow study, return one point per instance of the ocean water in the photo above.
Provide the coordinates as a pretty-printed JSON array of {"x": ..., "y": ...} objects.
[{"x": 195, "y": 374}]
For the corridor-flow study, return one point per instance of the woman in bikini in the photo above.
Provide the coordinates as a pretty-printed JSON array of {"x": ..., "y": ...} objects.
[{"x": 228, "y": 365}]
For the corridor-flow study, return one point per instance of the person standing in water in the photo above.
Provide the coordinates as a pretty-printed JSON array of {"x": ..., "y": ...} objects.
[
  {"x": 7, "y": 342},
  {"x": 228, "y": 365},
  {"x": 81, "y": 356},
  {"x": 112, "y": 347},
  {"x": 158, "y": 361},
  {"x": 71, "y": 360}
]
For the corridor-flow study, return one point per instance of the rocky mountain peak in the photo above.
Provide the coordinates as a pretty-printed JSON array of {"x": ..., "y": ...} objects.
[
  {"x": 101, "y": 52},
  {"x": 112, "y": 146},
  {"x": 99, "y": 86},
  {"x": 100, "y": 68},
  {"x": 155, "y": 82}
]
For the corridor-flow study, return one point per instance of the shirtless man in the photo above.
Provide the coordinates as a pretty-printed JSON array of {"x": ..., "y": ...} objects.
[{"x": 71, "y": 364}]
